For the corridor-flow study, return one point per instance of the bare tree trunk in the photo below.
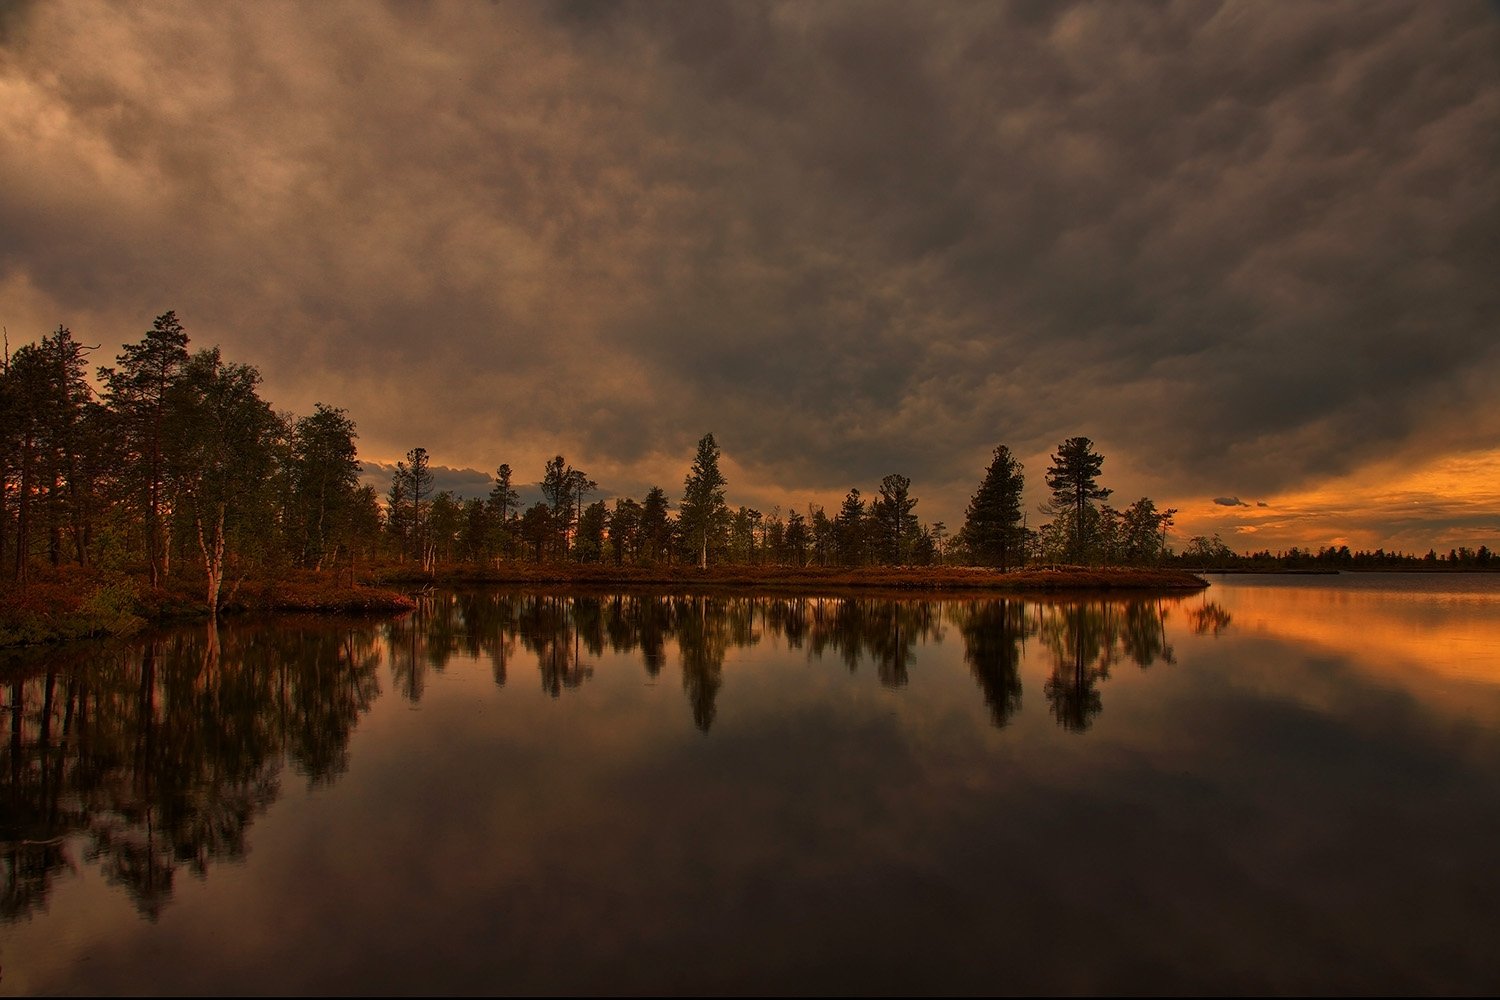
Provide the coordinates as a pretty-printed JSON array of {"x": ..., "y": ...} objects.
[{"x": 213, "y": 558}]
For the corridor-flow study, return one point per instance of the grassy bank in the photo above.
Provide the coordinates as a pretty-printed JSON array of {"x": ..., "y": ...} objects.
[{"x": 63, "y": 605}]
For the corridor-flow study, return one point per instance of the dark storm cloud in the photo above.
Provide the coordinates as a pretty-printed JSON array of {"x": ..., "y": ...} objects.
[
  {"x": 1243, "y": 242},
  {"x": 1230, "y": 502}
]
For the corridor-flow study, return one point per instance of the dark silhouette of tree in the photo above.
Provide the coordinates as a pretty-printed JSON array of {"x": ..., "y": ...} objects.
[
  {"x": 1143, "y": 532},
  {"x": 798, "y": 539},
  {"x": 1074, "y": 482},
  {"x": 565, "y": 489},
  {"x": 503, "y": 499},
  {"x": 849, "y": 530},
  {"x": 224, "y": 462},
  {"x": 657, "y": 621},
  {"x": 325, "y": 481},
  {"x": 536, "y": 528},
  {"x": 444, "y": 523},
  {"x": 703, "y": 640},
  {"x": 1142, "y": 632},
  {"x": 1209, "y": 619},
  {"x": 30, "y": 389},
  {"x": 138, "y": 391},
  {"x": 703, "y": 515},
  {"x": 993, "y": 521},
  {"x": 625, "y": 534},
  {"x": 475, "y": 536},
  {"x": 824, "y": 536},
  {"x": 590, "y": 543},
  {"x": 417, "y": 473},
  {"x": 993, "y": 632},
  {"x": 398, "y": 510},
  {"x": 503, "y": 506},
  {"x": 656, "y": 526},
  {"x": 893, "y": 526},
  {"x": 1080, "y": 659},
  {"x": 159, "y": 755}
]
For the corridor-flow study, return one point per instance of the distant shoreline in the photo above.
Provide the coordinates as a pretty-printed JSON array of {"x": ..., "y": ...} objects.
[{"x": 803, "y": 579}]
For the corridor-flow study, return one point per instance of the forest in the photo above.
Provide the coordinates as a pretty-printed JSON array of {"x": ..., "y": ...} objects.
[{"x": 167, "y": 469}]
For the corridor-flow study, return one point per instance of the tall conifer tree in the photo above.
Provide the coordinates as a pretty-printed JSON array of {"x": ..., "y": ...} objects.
[
  {"x": 992, "y": 523},
  {"x": 703, "y": 514}
]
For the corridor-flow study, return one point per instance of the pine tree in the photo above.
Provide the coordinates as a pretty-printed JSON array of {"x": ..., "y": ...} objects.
[
  {"x": 703, "y": 514},
  {"x": 503, "y": 498},
  {"x": 656, "y": 526},
  {"x": 849, "y": 529},
  {"x": 1074, "y": 482},
  {"x": 892, "y": 522},
  {"x": 992, "y": 521},
  {"x": 137, "y": 392}
]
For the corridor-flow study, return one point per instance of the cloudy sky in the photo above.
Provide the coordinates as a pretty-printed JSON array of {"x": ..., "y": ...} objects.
[{"x": 1251, "y": 250}]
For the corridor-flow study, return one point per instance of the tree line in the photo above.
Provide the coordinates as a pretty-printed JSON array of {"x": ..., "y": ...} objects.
[
  {"x": 176, "y": 460},
  {"x": 175, "y": 465},
  {"x": 704, "y": 530},
  {"x": 1212, "y": 552}
]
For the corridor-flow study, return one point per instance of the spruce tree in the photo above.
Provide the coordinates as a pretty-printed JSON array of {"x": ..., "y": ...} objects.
[
  {"x": 137, "y": 392},
  {"x": 992, "y": 521},
  {"x": 703, "y": 514}
]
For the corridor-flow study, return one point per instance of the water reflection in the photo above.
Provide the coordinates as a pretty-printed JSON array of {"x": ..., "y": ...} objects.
[
  {"x": 567, "y": 633},
  {"x": 993, "y": 633},
  {"x": 1209, "y": 618},
  {"x": 157, "y": 756},
  {"x": 1085, "y": 639},
  {"x": 718, "y": 794}
]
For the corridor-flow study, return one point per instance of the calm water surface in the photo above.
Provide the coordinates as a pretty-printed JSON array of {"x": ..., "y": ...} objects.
[{"x": 1285, "y": 784}]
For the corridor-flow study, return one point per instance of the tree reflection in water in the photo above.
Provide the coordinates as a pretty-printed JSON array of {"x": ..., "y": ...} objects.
[
  {"x": 1085, "y": 639},
  {"x": 158, "y": 754},
  {"x": 993, "y": 633}
]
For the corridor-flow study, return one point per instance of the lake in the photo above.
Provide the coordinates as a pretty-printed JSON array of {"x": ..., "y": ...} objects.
[{"x": 1280, "y": 784}]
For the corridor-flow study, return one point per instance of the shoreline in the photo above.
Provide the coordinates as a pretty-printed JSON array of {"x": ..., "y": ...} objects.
[
  {"x": 805, "y": 579},
  {"x": 77, "y": 605}
]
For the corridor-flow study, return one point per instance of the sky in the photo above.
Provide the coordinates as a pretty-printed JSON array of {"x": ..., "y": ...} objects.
[{"x": 1250, "y": 250}]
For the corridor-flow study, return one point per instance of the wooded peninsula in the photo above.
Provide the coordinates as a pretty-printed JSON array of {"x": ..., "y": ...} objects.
[{"x": 176, "y": 490}]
